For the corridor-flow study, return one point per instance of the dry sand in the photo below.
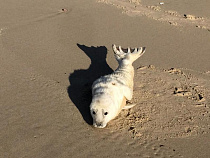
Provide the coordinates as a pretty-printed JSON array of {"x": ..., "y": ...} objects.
[{"x": 50, "y": 57}]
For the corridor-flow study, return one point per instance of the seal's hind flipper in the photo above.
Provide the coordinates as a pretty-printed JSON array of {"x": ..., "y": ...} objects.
[{"x": 130, "y": 54}]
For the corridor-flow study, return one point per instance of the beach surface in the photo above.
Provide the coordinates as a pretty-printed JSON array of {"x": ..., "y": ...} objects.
[{"x": 52, "y": 51}]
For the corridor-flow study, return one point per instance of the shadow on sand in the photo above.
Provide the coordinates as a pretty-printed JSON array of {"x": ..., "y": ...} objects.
[{"x": 81, "y": 80}]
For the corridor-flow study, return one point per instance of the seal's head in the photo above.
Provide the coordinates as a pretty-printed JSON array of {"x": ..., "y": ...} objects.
[{"x": 102, "y": 111}]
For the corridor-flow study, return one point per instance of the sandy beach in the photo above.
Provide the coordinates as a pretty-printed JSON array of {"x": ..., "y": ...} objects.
[{"x": 51, "y": 52}]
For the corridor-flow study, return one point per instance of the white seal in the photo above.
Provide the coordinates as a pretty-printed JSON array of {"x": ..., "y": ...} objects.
[{"x": 110, "y": 92}]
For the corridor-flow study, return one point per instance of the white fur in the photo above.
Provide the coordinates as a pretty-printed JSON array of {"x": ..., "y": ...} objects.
[{"x": 110, "y": 92}]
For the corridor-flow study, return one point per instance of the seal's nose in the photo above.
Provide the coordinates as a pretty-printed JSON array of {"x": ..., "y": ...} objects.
[{"x": 99, "y": 123}]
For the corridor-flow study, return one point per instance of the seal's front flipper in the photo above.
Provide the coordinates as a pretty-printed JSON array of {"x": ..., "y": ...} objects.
[
  {"x": 127, "y": 92},
  {"x": 128, "y": 106}
]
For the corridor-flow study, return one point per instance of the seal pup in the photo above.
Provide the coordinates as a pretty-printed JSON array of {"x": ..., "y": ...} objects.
[{"x": 110, "y": 92}]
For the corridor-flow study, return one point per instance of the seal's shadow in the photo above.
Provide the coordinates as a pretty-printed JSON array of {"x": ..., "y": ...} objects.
[{"x": 81, "y": 80}]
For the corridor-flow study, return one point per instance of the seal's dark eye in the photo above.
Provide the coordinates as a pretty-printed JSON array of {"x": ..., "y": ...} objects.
[
  {"x": 105, "y": 113},
  {"x": 94, "y": 112}
]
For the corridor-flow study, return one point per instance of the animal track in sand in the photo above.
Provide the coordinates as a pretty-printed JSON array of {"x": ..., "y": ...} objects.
[
  {"x": 170, "y": 103},
  {"x": 133, "y": 8},
  {"x": 189, "y": 92}
]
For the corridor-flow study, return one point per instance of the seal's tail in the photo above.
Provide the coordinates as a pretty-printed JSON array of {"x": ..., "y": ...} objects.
[{"x": 129, "y": 54}]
